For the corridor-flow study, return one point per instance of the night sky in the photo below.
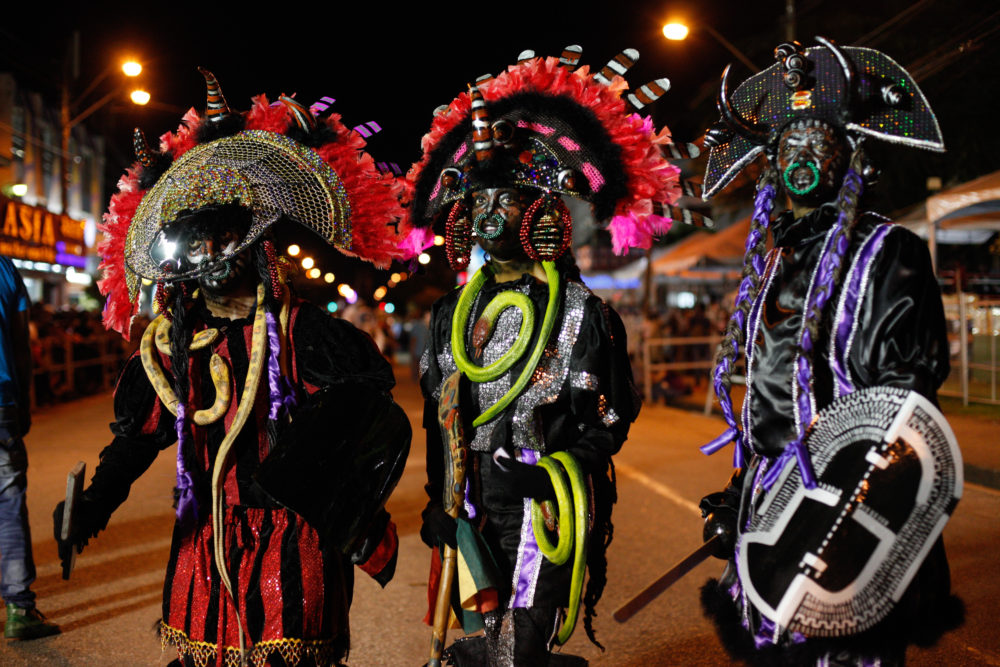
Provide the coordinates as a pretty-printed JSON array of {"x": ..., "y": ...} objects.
[{"x": 395, "y": 64}]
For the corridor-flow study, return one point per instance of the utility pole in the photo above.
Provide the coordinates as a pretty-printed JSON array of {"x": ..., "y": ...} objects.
[
  {"x": 789, "y": 20},
  {"x": 71, "y": 69}
]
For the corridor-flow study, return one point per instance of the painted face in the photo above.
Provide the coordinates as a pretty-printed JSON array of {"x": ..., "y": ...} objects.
[
  {"x": 496, "y": 221},
  {"x": 811, "y": 161},
  {"x": 202, "y": 248}
]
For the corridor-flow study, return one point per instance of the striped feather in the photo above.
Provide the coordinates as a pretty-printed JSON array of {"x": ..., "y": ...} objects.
[
  {"x": 617, "y": 65},
  {"x": 685, "y": 151},
  {"x": 321, "y": 105},
  {"x": 480, "y": 80},
  {"x": 571, "y": 56},
  {"x": 527, "y": 54},
  {"x": 303, "y": 117},
  {"x": 368, "y": 129},
  {"x": 649, "y": 93}
]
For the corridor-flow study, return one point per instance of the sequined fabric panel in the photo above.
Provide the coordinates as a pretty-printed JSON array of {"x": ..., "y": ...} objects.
[
  {"x": 504, "y": 334},
  {"x": 552, "y": 371}
]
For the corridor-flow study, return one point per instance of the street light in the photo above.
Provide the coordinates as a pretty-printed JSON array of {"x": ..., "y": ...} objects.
[
  {"x": 131, "y": 68},
  {"x": 139, "y": 96},
  {"x": 677, "y": 31},
  {"x": 68, "y": 121}
]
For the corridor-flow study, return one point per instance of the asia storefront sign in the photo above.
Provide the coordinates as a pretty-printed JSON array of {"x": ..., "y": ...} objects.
[{"x": 36, "y": 234}]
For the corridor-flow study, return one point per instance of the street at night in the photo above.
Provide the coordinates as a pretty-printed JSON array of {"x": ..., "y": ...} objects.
[{"x": 109, "y": 606}]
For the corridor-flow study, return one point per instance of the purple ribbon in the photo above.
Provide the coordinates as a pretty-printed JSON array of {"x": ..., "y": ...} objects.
[
  {"x": 281, "y": 391},
  {"x": 529, "y": 554},
  {"x": 848, "y": 314},
  {"x": 187, "y": 504}
]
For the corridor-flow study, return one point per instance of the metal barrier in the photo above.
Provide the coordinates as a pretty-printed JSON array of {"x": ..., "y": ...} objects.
[
  {"x": 973, "y": 337},
  {"x": 103, "y": 351},
  {"x": 649, "y": 367}
]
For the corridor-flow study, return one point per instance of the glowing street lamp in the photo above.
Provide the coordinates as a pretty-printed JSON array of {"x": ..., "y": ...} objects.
[
  {"x": 424, "y": 258},
  {"x": 131, "y": 68},
  {"x": 329, "y": 277},
  {"x": 19, "y": 189},
  {"x": 140, "y": 97},
  {"x": 293, "y": 250},
  {"x": 675, "y": 31},
  {"x": 678, "y": 31},
  {"x": 313, "y": 273},
  {"x": 308, "y": 263}
]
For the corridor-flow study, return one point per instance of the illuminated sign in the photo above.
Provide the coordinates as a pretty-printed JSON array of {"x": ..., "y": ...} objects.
[{"x": 36, "y": 234}]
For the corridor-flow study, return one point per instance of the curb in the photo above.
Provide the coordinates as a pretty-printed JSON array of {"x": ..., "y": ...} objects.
[{"x": 983, "y": 476}]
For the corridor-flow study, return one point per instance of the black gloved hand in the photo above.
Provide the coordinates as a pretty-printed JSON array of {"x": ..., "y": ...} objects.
[
  {"x": 74, "y": 541},
  {"x": 438, "y": 528},
  {"x": 521, "y": 480},
  {"x": 720, "y": 519},
  {"x": 89, "y": 518}
]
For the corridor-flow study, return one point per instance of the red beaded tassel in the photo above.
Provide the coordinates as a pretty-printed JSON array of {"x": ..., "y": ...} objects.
[
  {"x": 546, "y": 229},
  {"x": 272, "y": 269},
  {"x": 458, "y": 237},
  {"x": 160, "y": 298}
]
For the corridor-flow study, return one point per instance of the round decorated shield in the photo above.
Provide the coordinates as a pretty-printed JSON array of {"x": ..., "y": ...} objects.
[{"x": 833, "y": 560}]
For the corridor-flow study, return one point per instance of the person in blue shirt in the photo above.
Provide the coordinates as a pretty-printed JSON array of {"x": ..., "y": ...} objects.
[{"x": 17, "y": 567}]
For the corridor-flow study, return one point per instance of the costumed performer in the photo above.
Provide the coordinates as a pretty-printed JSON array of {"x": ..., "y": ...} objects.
[
  {"x": 846, "y": 470},
  {"x": 525, "y": 366},
  {"x": 288, "y": 440}
]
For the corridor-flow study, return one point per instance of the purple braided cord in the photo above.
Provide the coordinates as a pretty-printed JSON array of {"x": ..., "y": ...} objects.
[
  {"x": 829, "y": 262},
  {"x": 763, "y": 205},
  {"x": 187, "y": 505},
  {"x": 276, "y": 384}
]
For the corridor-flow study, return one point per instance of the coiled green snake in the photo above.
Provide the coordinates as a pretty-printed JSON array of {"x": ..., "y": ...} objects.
[{"x": 572, "y": 528}]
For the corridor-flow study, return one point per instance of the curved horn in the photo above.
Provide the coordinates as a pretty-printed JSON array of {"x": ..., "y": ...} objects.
[
  {"x": 482, "y": 137},
  {"x": 303, "y": 116},
  {"x": 850, "y": 76},
  {"x": 732, "y": 117},
  {"x": 217, "y": 108},
  {"x": 142, "y": 152}
]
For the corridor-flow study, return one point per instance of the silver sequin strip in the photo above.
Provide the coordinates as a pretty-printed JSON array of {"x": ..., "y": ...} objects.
[
  {"x": 508, "y": 325},
  {"x": 552, "y": 371}
]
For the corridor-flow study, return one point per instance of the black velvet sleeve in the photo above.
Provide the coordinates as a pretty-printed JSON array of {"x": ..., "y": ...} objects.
[
  {"x": 142, "y": 427},
  {"x": 430, "y": 381},
  {"x": 603, "y": 399},
  {"x": 901, "y": 339},
  {"x": 331, "y": 351}
]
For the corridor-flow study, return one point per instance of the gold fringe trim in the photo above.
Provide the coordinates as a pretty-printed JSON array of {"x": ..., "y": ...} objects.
[{"x": 291, "y": 649}]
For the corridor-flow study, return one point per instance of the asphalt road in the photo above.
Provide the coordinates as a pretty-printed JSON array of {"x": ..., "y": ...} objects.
[{"x": 108, "y": 609}]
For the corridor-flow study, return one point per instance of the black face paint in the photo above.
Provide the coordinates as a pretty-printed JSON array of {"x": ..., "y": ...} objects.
[
  {"x": 496, "y": 219},
  {"x": 811, "y": 160}
]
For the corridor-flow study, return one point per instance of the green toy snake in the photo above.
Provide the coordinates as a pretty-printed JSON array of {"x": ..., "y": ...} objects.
[
  {"x": 490, "y": 314},
  {"x": 572, "y": 528}
]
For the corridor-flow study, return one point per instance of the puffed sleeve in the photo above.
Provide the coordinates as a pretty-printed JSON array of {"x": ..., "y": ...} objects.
[
  {"x": 331, "y": 351},
  {"x": 603, "y": 398},
  {"x": 430, "y": 383},
  {"x": 142, "y": 427},
  {"x": 901, "y": 339}
]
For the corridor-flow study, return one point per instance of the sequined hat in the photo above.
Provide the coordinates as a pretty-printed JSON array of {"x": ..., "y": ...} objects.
[
  {"x": 547, "y": 125},
  {"x": 276, "y": 160},
  {"x": 861, "y": 91}
]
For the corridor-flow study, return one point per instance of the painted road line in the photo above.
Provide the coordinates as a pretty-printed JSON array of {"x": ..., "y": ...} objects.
[{"x": 656, "y": 487}]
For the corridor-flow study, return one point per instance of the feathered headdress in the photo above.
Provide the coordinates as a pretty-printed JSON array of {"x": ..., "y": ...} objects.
[
  {"x": 277, "y": 160},
  {"x": 548, "y": 125}
]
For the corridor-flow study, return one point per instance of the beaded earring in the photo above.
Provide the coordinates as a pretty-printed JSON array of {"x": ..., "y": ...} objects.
[
  {"x": 272, "y": 268},
  {"x": 546, "y": 229},
  {"x": 458, "y": 237}
]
